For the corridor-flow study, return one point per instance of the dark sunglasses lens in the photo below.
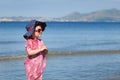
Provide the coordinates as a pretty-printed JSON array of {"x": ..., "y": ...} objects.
[{"x": 39, "y": 30}]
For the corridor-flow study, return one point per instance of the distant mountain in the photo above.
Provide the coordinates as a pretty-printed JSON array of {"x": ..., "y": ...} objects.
[{"x": 111, "y": 15}]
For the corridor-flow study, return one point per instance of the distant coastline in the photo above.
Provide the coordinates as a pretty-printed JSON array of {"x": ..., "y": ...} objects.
[{"x": 111, "y": 15}]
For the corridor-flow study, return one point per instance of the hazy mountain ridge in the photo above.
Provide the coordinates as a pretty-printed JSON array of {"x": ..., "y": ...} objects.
[{"x": 111, "y": 15}]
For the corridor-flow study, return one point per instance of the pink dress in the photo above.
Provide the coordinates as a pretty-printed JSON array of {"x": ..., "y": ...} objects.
[{"x": 35, "y": 65}]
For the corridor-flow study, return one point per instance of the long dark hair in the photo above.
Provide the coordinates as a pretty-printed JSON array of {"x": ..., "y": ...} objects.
[{"x": 42, "y": 24}]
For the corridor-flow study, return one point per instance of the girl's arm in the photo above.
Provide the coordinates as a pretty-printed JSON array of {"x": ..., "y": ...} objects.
[{"x": 33, "y": 52}]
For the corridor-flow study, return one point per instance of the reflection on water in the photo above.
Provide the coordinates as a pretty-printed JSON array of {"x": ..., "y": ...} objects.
[{"x": 68, "y": 67}]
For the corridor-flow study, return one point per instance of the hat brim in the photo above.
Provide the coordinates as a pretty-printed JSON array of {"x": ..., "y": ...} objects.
[{"x": 28, "y": 34}]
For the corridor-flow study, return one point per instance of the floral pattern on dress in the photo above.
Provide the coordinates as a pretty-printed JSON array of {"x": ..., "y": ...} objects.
[{"x": 35, "y": 66}]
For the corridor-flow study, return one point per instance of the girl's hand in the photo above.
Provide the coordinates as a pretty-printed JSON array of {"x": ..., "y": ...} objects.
[{"x": 44, "y": 49}]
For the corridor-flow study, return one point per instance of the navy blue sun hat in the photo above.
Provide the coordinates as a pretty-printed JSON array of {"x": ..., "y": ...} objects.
[{"x": 30, "y": 28}]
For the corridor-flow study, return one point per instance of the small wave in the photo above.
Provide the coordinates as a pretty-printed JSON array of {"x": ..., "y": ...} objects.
[
  {"x": 85, "y": 52},
  {"x": 101, "y": 43},
  {"x": 10, "y": 42},
  {"x": 2, "y": 58}
]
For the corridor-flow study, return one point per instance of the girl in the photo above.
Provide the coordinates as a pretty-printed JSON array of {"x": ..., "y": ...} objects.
[{"x": 36, "y": 50}]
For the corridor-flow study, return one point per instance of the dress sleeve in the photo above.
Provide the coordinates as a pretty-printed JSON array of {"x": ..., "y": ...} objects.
[{"x": 28, "y": 45}]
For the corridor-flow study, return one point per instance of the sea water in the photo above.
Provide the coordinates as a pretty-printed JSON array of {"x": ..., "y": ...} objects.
[
  {"x": 68, "y": 67},
  {"x": 65, "y": 37},
  {"x": 62, "y": 36}
]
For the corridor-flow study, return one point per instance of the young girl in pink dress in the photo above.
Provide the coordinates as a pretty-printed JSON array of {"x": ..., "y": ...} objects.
[{"x": 36, "y": 50}]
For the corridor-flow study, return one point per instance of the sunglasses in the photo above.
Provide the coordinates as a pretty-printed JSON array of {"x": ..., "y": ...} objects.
[{"x": 39, "y": 30}]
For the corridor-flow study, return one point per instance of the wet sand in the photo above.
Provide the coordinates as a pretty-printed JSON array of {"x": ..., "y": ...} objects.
[{"x": 62, "y": 53}]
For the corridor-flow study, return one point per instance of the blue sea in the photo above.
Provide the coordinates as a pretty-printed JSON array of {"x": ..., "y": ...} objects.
[
  {"x": 62, "y": 36},
  {"x": 65, "y": 37}
]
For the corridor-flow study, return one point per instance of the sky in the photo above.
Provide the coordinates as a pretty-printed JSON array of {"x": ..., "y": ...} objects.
[{"x": 53, "y": 8}]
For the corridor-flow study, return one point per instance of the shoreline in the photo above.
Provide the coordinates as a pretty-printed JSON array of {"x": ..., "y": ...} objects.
[{"x": 3, "y": 58}]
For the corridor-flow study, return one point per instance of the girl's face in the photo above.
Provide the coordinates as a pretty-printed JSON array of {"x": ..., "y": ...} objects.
[{"x": 37, "y": 32}]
